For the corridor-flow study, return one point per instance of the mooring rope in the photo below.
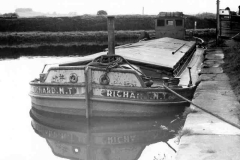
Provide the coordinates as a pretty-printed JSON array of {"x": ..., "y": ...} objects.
[
  {"x": 209, "y": 112},
  {"x": 171, "y": 147}
]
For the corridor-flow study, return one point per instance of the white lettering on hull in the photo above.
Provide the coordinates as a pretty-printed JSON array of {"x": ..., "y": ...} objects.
[
  {"x": 57, "y": 90},
  {"x": 134, "y": 94}
]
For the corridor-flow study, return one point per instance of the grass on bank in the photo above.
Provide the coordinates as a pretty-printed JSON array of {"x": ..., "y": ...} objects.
[
  {"x": 232, "y": 65},
  {"x": 98, "y": 37},
  {"x": 81, "y": 37}
]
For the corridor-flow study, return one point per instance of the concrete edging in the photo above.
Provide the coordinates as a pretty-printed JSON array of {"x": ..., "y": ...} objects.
[{"x": 207, "y": 137}]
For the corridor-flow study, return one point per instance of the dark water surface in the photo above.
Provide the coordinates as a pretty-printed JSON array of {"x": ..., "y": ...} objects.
[{"x": 116, "y": 139}]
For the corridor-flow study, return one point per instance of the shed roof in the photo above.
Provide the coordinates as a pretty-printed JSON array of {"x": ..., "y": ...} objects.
[{"x": 170, "y": 14}]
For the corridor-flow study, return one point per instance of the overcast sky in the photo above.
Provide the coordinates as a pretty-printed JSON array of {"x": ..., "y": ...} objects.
[{"x": 151, "y": 7}]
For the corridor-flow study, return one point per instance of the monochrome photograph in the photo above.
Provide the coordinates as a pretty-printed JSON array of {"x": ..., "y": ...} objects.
[{"x": 120, "y": 80}]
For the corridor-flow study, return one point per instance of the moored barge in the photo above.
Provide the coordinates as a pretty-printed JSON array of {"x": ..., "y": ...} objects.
[{"x": 124, "y": 82}]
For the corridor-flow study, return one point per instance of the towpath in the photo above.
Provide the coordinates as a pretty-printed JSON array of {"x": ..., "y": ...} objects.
[{"x": 206, "y": 137}]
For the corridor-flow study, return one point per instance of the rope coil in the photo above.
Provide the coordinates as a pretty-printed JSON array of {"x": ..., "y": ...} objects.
[{"x": 113, "y": 61}]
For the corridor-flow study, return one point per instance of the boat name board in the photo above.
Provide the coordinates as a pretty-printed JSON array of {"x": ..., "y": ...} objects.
[
  {"x": 136, "y": 94},
  {"x": 54, "y": 90}
]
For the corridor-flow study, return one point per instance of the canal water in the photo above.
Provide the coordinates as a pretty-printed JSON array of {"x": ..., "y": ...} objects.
[{"x": 152, "y": 139}]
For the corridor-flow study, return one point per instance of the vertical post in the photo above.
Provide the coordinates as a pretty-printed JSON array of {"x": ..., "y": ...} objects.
[
  {"x": 143, "y": 11},
  {"x": 217, "y": 17},
  {"x": 190, "y": 76},
  {"x": 87, "y": 92},
  {"x": 220, "y": 27},
  {"x": 88, "y": 140},
  {"x": 111, "y": 36}
]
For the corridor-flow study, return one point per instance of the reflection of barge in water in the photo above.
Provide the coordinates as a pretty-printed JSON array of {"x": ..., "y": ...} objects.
[
  {"x": 101, "y": 138},
  {"x": 127, "y": 84}
]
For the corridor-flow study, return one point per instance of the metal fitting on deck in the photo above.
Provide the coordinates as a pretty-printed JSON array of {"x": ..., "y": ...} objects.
[{"x": 42, "y": 77}]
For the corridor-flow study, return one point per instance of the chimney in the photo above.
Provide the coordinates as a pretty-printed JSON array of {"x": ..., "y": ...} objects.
[{"x": 111, "y": 36}]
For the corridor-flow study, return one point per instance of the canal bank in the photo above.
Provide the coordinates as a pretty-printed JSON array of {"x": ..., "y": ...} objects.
[{"x": 205, "y": 136}]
